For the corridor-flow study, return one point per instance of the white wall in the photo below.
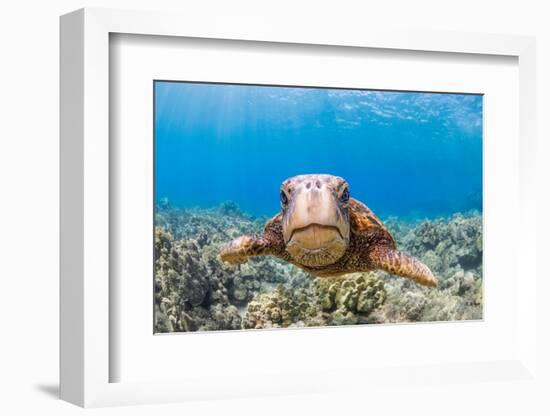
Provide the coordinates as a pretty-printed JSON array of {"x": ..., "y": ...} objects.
[{"x": 29, "y": 185}]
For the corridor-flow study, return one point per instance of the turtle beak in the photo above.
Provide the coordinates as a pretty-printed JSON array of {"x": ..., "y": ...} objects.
[
  {"x": 315, "y": 229},
  {"x": 315, "y": 205}
]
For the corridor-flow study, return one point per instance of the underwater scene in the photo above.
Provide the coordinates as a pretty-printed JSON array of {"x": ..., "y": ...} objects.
[{"x": 287, "y": 207}]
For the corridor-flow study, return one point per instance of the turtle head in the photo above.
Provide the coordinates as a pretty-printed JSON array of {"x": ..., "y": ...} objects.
[{"x": 316, "y": 226}]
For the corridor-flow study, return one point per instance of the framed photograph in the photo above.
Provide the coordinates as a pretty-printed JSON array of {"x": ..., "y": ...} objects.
[
  {"x": 251, "y": 233},
  {"x": 236, "y": 209}
]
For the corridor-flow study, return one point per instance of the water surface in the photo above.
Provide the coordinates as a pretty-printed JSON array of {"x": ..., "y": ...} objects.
[{"x": 405, "y": 154}]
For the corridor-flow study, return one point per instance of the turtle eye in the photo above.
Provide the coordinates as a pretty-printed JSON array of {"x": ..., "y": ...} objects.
[
  {"x": 345, "y": 195},
  {"x": 284, "y": 199}
]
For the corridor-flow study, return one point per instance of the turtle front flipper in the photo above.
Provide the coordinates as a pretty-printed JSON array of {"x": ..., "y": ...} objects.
[
  {"x": 240, "y": 249},
  {"x": 401, "y": 264}
]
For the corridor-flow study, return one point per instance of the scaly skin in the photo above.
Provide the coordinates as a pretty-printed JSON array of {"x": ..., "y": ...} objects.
[{"x": 370, "y": 247}]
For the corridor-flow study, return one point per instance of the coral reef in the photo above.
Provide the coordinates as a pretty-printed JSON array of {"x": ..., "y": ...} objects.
[
  {"x": 188, "y": 297},
  {"x": 281, "y": 308},
  {"x": 332, "y": 301},
  {"x": 446, "y": 246},
  {"x": 194, "y": 291},
  {"x": 352, "y": 298},
  {"x": 453, "y": 249}
]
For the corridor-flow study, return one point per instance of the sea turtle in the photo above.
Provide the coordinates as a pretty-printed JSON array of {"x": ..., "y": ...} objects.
[{"x": 326, "y": 233}]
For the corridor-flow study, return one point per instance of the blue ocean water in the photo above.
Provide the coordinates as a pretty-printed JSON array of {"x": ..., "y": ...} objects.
[{"x": 406, "y": 154}]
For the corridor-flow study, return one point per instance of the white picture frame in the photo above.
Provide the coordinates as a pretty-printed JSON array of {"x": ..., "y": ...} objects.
[{"x": 86, "y": 356}]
